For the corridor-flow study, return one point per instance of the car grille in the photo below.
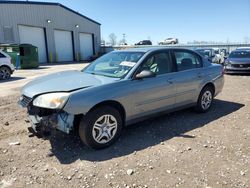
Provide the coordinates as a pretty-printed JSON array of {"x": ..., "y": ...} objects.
[
  {"x": 241, "y": 65},
  {"x": 24, "y": 100}
]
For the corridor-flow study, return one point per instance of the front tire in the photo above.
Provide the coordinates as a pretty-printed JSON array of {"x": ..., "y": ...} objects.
[
  {"x": 101, "y": 127},
  {"x": 205, "y": 99}
]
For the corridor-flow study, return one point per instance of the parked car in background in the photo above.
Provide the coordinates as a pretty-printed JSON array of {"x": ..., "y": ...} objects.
[
  {"x": 213, "y": 54},
  {"x": 220, "y": 55},
  {"x": 123, "y": 44},
  {"x": 243, "y": 48},
  {"x": 6, "y": 67},
  {"x": 121, "y": 88},
  {"x": 144, "y": 42},
  {"x": 169, "y": 41},
  {"x": 208, "y": 53},
  {"x": 238, "y": 61},
  {"x": 225, "y": 53}
]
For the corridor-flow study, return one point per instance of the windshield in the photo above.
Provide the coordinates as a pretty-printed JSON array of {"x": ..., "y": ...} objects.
[
  {"x": 240, "y": 54},
  {"x": 114, "y": 64}
]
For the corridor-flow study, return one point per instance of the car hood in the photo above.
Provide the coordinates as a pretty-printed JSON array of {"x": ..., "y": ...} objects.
[
  {"x": 64, "y": 82},
  {"x": 239, "y": 60}
]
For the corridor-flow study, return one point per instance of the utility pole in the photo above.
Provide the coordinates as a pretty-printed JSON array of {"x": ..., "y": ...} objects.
[{"x": 124, "y": 38}]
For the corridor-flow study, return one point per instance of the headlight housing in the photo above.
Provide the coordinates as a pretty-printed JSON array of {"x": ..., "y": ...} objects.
[
  {"x": 51, "y": 100},
  {"x": 228, "y": 63}
]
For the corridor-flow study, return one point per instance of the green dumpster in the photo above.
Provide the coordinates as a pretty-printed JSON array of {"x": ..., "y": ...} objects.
[
  {"x": 27, "y": 52},
  {"x": 28, "y": 56}
]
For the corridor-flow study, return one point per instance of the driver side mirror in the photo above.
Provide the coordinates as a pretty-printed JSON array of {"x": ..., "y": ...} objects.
[{"x": 145, "y": 74}]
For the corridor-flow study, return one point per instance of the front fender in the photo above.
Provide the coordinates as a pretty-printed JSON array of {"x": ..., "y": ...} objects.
[{"x": 81, "y": 101}]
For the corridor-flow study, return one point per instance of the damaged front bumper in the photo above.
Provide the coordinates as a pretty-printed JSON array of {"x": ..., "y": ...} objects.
[
  {"x": 43, "y": 120},
  {"x": 61, "y": 121}
]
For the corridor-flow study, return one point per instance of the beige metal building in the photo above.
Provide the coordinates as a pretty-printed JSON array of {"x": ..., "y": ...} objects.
[{"x": 61, "y": 34}]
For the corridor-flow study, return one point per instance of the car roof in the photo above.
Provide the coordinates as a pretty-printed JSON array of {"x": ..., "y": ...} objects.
[{"x": 150, "y": 49}]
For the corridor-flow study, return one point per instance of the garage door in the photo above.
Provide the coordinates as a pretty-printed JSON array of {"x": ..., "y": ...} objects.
[
  {"x": 86, "y": 46},
  {"x": 64, "y": 45},
  {"x": 36, "y": 37}
]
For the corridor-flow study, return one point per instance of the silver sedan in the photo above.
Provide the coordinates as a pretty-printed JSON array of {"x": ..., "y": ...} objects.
[{"x": 121, "y": 88}]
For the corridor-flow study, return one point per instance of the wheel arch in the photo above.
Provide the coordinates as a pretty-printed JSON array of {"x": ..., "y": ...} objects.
[
  {"x": 115, "y": 104},
  {"x": 6, "y": 67},
  {"x": 211, "y": 85}
]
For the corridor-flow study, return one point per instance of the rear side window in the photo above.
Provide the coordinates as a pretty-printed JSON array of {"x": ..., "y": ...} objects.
[
  {"x": 2, "y": 56},
  {"x": 187, "y": 60}
]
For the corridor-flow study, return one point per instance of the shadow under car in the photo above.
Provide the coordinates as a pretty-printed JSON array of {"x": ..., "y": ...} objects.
[{"x": 68, "y": 148}]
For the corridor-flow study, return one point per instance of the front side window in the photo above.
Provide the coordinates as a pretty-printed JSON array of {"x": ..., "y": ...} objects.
[
  {"x": 159, "y": 63},
  {"x": 187, "y": 60},
  {"x": 114, "y": 64}
]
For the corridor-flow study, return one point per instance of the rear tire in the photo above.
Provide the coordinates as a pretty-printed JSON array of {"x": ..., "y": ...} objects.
[
  {"x": 5, "y": 73},
  {"x": 101, "y": 127},
  {"x": 205, "y": 100}
]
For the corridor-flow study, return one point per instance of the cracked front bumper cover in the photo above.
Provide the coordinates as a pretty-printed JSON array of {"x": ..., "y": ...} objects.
[{"x": 61, "y": 121}]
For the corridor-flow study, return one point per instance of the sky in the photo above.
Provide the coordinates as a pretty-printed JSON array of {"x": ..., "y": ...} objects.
[{"x": 187, "y": 20}]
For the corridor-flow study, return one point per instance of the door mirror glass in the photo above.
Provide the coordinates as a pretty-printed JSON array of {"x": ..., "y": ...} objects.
[{"x": 145, "y": 74}]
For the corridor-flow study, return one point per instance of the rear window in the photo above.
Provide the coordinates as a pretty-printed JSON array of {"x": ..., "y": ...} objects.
[{"x": 240, "y": 54}]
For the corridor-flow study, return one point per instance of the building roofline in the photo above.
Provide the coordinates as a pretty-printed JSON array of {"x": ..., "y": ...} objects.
[{"x": 48, "y": 3}]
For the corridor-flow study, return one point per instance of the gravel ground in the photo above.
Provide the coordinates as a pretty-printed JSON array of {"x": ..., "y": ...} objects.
[{"x": 181, "y": 149}]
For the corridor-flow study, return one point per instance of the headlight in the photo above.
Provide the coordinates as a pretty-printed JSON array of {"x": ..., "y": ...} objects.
[
  {"x": 51, "y": 100},
  {"x": 228, "y": 64}
]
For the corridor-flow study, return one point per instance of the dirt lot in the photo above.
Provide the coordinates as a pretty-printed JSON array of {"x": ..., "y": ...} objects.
[{"x": 182, "y": 149}]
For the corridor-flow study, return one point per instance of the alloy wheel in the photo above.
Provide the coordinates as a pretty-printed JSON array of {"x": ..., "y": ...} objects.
[
  {"x": 4, "y": 73},
  {"x": 206, "y": 100},
  {"x": 104, "y": 129}
]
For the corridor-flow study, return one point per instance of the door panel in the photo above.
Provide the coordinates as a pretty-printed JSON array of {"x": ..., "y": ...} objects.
[
  {"x": 187, "y": 85},
  {"x": 153, "y": 95},
  {"x": 188, "y": 77},
  {"x": 157, "y": 93}
]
